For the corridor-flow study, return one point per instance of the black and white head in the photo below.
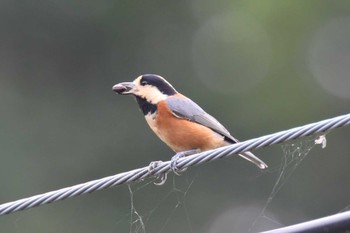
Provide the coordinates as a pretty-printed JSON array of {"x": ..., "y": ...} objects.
[
  {"x": 149, "y": 90},
  {"x": 150, "y": 87}
]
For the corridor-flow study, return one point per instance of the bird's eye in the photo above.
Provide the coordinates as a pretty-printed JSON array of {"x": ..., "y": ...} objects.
[{"x": 143, "y": 83}]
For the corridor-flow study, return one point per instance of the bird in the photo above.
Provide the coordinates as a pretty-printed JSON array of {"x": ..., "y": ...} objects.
[{"x": 177, "y": 120}]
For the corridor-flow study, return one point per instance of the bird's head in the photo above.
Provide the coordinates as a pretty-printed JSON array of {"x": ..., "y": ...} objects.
[{"x": 151, "y": 87}]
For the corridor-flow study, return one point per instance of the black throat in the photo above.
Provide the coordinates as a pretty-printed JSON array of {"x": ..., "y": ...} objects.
[{"x": 145, "y": 106}]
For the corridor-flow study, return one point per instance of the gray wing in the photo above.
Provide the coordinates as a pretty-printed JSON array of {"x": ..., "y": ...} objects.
[{"x": 189, "y": 110}]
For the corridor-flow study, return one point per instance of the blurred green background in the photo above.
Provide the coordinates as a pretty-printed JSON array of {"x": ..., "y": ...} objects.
[{"x": 257, "y": 66}]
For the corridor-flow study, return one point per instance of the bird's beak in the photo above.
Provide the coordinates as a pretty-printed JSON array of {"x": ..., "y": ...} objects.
[{"x": 125, "y": 88}]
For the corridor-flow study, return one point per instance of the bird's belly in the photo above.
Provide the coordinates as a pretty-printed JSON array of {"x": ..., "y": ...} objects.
[{"x": 181, "y": 135}]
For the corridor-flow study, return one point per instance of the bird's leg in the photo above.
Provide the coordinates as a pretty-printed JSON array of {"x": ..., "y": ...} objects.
[
  {"x": 174, "y": 159},
  {"x": 173, "y": 165},
  {"x": 163, "y": 177}
]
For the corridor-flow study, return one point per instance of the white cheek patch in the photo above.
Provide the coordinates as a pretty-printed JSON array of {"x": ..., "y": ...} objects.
[{"x": 151, "y": 94}]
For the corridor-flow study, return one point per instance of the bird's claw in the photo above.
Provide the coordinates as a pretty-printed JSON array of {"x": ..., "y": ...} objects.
[
  {"x": 175, "y": 158},
  {"x": 163, "y": 177},
  {"x": 153, "y": 165},
  {"x": 173, "y": 165}
]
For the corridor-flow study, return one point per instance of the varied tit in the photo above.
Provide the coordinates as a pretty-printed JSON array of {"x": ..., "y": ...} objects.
[{"x": 177, "y": 120}]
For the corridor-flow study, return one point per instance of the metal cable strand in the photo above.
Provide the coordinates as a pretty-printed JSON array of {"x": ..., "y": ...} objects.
[
  {"x": 164, "y": 167},
  {"x": 334, "y": 223}
]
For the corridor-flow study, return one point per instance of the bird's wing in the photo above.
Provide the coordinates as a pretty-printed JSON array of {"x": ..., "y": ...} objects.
[{"x": 189, "y": 110}]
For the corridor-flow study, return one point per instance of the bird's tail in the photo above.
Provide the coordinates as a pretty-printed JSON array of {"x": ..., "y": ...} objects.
[{"x": 252, "y": 158}]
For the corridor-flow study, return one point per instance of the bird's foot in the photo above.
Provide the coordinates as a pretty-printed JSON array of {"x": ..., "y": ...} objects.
[
  {"x": 175, "y": 158},
  {"x": 163, "y": 177}
]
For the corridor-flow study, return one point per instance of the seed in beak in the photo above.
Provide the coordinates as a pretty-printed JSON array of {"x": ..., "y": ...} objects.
[{"x": 119, "y": 88}]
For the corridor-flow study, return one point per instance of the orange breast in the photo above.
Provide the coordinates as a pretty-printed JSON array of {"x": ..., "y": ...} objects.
[{"x": 180, "y": 134}]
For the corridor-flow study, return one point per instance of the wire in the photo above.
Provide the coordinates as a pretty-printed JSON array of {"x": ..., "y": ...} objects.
[
  {"x": 164, "y": 167},
  {"x": 334, "y": 223}
]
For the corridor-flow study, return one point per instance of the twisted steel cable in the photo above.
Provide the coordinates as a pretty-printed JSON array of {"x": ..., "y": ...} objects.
[
  {"x": 164, "y": 167},
  {"x": 335, "y": 223}
]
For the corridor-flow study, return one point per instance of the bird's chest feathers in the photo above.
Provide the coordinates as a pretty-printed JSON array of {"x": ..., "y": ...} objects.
[
  {"x": 163, "y": 122},
  {"x": 151, "y": 120},
  {"x": 160, "y": 120},
  {"x": 181, "y": 134}
]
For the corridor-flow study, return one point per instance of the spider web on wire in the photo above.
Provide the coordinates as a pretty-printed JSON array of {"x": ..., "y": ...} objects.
[
  {"x": 294, "y": 152},
  {"x": 144, "y": 212},
  {"x": 155, "y": 215}
]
